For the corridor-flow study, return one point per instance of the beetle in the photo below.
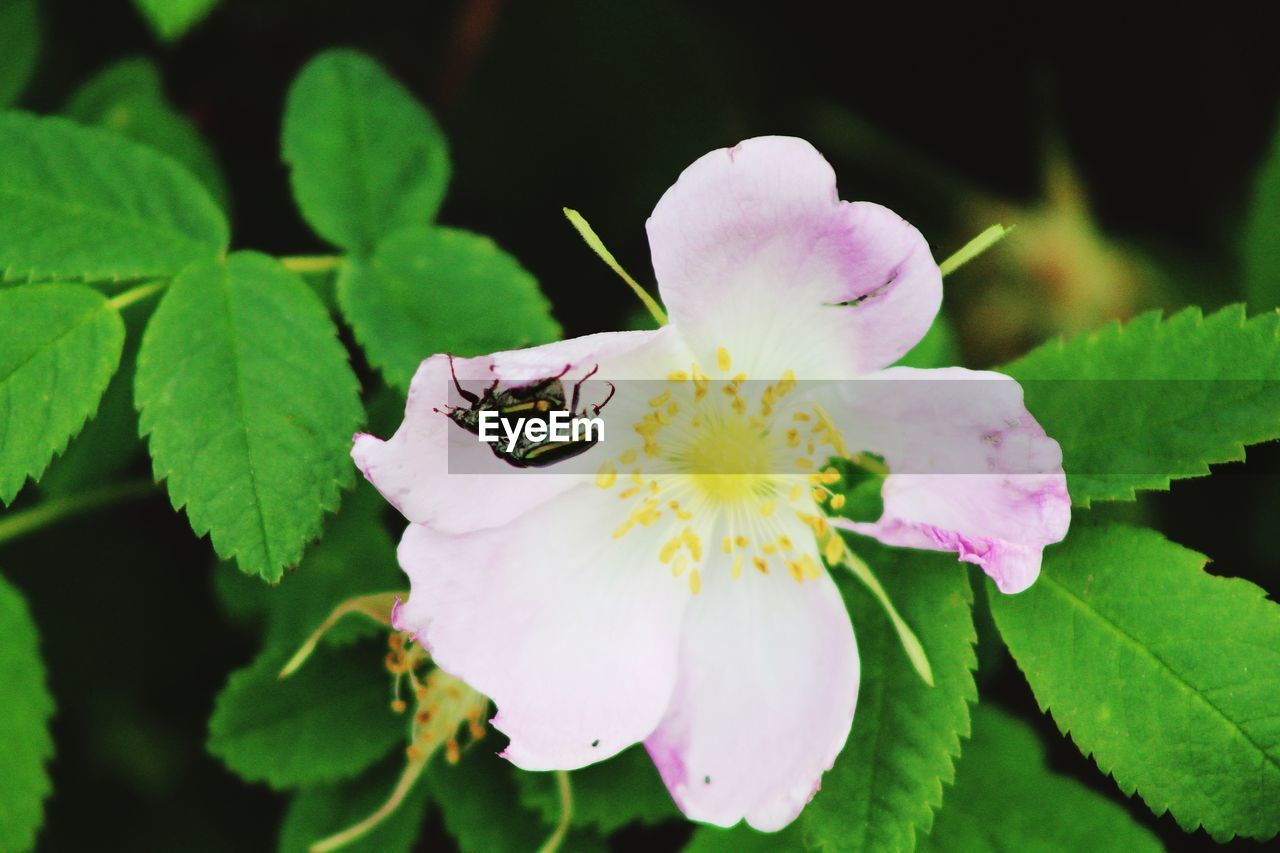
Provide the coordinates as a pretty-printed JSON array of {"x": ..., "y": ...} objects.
[{"x": 536, "y": 399}]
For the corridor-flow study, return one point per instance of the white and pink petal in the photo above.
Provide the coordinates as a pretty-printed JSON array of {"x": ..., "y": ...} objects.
[
  {"x": 439, "y": 474},
  {"x": 754, "y": 252},
  {"x": 768, "y": 681},
  {"x": 971, "y": 471},
  {"x": 573, "y": 636}
]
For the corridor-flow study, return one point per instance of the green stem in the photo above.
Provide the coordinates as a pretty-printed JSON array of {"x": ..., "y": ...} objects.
[
  {"x": 18, "y": 524},
  {"x": 973, "y": 248},
  {"x": 311, "y": 263},
  {"x": 123, "y": 300},
  {"x": 376, "y": 606},
  {"x": 597, "y": 245},
  {"x": 357, "y": 831},
  {"x": 565, "y": 787}
]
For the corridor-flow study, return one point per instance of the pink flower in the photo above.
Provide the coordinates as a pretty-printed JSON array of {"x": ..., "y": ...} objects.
[{"x": 675, "y": 593}]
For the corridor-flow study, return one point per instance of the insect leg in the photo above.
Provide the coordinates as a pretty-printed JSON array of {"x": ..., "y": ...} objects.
[
  {"x": 612, "y": 390},
  {"x": 462, "y": 392},
  {"x": 577, "y": 388}
]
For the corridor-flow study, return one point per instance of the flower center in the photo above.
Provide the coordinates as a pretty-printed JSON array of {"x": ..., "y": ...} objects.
[{"x": 731, "y": 462}]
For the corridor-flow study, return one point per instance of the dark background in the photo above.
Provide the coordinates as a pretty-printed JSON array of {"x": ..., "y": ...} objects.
[{"x": 1122, "y": 139}]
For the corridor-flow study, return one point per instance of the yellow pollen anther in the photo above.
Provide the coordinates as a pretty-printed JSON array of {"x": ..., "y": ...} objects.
[
  {"x": 736, "y": 571},
  {"x": 833, "y": 550},
  {"x": 673, "y": 409},
  {"x": 624, "y": 528},
  {"x": 801, "y": 416},
  {"x": 796, "y": 491},
  {"x": 695, "y": 582},
  {"x": 607, "y": 476},
  {"x": 630, "y": 493},
  {"x": 700, "y": 383},
  {"x": 804, "y": 462},
  {"x": 837, "y": 501},
  {"x": 831, "y": 475},
  {"x": 649, "y": 513},
  {"x": 809, "y": 567},
  {"x": 727, "y": 545},
  {"x": 796, "y": 571},
  {"x": 740, "y": 541},
  {"x": 693, "y": 543},
  {"x": 669, "y": 550},
  {"x": 628, "y": 457},
  {"x": 766, "y": 508},
  {"x": 761, "y": 565},
  {"x": 769, "y": 549},
  {"x": 636, "y": 478},
  {"x": 660, "y": 400},
  {"x": 819, "y": 495},
  {"x": 722, "y": 359},
  {"x": 784, "y": 542},
  {"x": 678, "y": 376},
  {"x": 680, "y": 563},
  {"x": 793, "y": 438}
]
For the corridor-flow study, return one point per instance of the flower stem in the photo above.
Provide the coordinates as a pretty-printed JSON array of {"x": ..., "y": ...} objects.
[
  {"x": 565, "y": 787},
  {"x": 18, "y": 524},
  {"x": 136, "y": 294},
  {"x": 910, "y": 643},
  {"x": 311, "y": 263},
  {"x": 973, "y": 248},
  {"x": 377, "y": 607},
  {"x": 597, "y": 245},
  {"x": 356, "y": 831}
]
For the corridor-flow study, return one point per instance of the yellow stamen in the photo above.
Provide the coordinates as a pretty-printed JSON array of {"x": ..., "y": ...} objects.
[
  {"x": 722, "y": 360},
  {"x": 695, "y": 582},
  {"x": 833, "y": 550}
]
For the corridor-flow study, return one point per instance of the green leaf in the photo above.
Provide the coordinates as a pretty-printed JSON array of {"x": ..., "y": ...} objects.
[
  {"x": 888, "y": 780},
  {"x": 1139, "y": 405},
  {"x": 330, "y": 720},
  {"x": 356, "y": 557},
  {"x": 1260, "y": 245},
  {"x": 19, "y": 47},
  {"x": 938, "y": 347},
  {"x": 316, "y": 813},
  {"x": 59, "y": 346},
  {"x": 365, "y": 157},
  {"x": 607, "y": 796},
  {"x": 128, "y": 97},
  {"x": 1169, "y": 677},
  {"x": 25, "y": 709},
  {"x": 83, "y": 203},
  {"x": 428, "y": 290},
  {"x": 109, "y": 443},
  {"x": 1007, "y": 798},
  {"x": 248, "y": 403},
  {"x": 171, "y": 19},
  {"x": 481, "y": 803}
]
